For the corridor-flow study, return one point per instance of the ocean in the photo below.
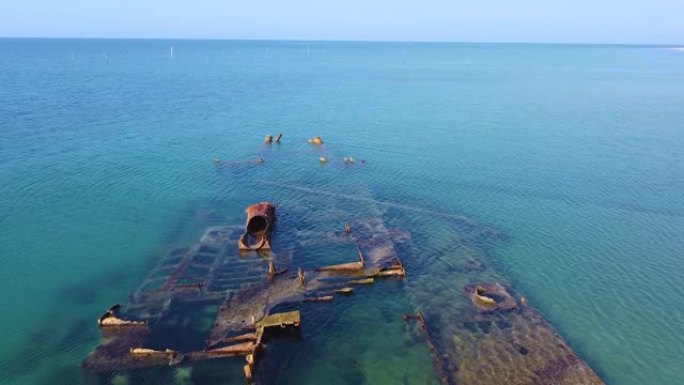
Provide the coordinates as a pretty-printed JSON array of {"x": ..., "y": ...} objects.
[{"x": 557, "y": 167}]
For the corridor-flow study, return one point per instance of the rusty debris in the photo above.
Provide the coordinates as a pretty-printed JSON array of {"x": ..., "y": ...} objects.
[
  {"x": 490, "y": 297},
  {"x": 343, "y": 290},
  {"x": 260, "y": 217},
  {"x": 316, "y": 140},
  {"x": 395, "y": 268},
  {"x": 254, "y": 341},
  {"x": 325, "y": 298},
  {"x": 152, "y": 352},
  {"x": 385, "y": 267},
  {"x": 273, "y": 271},
  {"x": 439, "y": 365},
  {"x": 271, "y": 268},
  {"x": 109, "y": 319},
  {"x": 290, "y": 318},
  {"x": 362, "y": 281},
  {"x": 248, "y": 373}
]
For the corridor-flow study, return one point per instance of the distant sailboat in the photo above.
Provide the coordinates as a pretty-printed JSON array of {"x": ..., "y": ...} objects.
[
  {"x": 171, "y": 54},
  {"x": 308, "y": 49}
]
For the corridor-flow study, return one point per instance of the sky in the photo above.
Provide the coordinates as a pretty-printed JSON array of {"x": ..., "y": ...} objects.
[{"x": 546, "y": 21}]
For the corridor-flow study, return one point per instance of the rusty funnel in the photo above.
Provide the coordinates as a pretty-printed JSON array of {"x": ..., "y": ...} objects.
[{"x": 260, "y": 217}]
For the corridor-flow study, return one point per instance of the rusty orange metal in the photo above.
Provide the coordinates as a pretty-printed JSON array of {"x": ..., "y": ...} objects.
[{"x": 258, "y": 226}]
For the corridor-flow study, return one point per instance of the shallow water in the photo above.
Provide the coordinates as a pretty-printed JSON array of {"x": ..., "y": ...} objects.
[{"x": 569, "y": 156}]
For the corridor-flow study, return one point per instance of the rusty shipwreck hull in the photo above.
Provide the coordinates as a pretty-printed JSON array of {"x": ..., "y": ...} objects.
[
  {"x": 489, "y": 335},
  {"x": 258, "y": 227},
  {"x": 493, "y": 342},
  {"x": 245, "y": 291},
  {"x": 501, "y": 347}
]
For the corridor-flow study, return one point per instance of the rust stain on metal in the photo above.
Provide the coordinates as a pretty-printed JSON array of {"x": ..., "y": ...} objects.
[{"x": 260, "y": 218}]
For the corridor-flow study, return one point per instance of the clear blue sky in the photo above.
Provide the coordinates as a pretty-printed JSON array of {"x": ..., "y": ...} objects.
[{"x": 590, "y": 21}]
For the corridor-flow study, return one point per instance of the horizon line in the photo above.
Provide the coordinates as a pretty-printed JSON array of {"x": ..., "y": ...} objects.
[{"x": 674, "y": 45}]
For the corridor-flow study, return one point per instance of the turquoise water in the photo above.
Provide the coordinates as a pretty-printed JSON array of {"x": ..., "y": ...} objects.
[{"x": 571, "y": 153}]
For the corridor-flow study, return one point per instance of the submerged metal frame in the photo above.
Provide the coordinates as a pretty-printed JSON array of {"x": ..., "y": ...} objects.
[
  {"x": 246, "y": 307},
  {"x": 247, "y": 302}
]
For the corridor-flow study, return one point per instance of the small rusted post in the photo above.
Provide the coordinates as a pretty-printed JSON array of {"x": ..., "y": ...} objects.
[
  {"x": 248, "y": 373},
  {"x": 248, "y": 367},
  {"x": 302, "y": 278}
]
